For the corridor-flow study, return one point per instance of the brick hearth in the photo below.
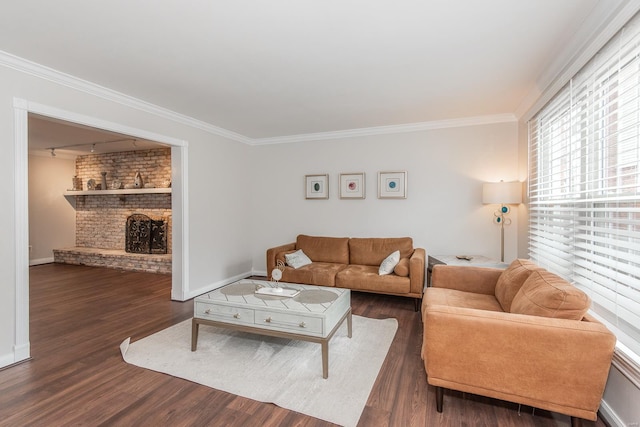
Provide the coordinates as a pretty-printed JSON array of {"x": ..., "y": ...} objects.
[{"x": 114, "y": 258}]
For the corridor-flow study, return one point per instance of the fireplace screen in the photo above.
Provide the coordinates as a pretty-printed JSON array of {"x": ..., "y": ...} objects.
[{"x": 146, "y": 235}]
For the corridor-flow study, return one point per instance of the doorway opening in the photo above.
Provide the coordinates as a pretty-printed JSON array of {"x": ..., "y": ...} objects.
[{"x": 22, "y": 110}]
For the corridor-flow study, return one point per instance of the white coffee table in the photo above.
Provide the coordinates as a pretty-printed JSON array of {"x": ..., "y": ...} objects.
[{"x": 314, "y": 314}]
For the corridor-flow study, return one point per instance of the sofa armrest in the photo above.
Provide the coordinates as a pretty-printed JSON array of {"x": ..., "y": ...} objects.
[
  {"x": 479, "y": 280},
  {"x": 555, "y": 364},
  {"x": 272, "y": 252},
  {"x": 416, "y": 270}
]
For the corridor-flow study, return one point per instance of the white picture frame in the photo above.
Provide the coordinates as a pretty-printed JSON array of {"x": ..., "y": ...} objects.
[
  {"x": 316, "y": 186},
  {"x": 352, "y": 185},
  {"x": 392, "y": 185}
]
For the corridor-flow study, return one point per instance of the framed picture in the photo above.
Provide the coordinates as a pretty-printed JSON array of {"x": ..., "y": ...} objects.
[
  {"x": 392, "y": 185},
  {"x": 316, "y": 186},
  {"x": 352, "y": 186}
]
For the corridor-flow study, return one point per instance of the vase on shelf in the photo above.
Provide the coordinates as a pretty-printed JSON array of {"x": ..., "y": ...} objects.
[
  {"x": 137, "y": 182},
  {"x": 104, "y": 180}
]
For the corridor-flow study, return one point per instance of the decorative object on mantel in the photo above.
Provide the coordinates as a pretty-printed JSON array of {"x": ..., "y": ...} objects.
[
  {"x": 116, "y": 184},
  {"x": 104, "y": 181},
  {"x": 91, "y": 184},
  {"x": 502, "y": 193},
  {"x": 392, "y": 185},
  {"x": 166, "y": 183},
  {"x": 137, "y": 182},
  {"x": 76, "y": 184}
]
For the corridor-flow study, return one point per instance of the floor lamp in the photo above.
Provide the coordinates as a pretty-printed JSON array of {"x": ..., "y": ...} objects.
[{"x": 503, "y": 194}]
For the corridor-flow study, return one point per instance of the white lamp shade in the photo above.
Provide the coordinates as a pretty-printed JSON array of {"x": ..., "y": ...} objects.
[{"x": 502, "y": 193}]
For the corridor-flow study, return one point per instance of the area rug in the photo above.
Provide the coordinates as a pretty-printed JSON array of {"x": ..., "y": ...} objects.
[{"x": 285, "y": 372}]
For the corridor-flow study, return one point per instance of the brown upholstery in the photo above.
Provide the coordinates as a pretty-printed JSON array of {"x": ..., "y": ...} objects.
[
  {"x": 471, "y": 345},
  {"x": 511, "y": 280},
  {"x": 324, "y": 249},
  {"x": 366, "y": 277},
  {"x": 548, "y": 295},
  {"x": 373, "y": 251},
  {"x": 333, "y": 264},
  {"x": 316, "y": 273},
  {"x": 402, "y": 268}
]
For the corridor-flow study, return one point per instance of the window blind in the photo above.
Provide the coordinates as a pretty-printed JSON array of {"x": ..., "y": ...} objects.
[{"x": 584, "y": 183}]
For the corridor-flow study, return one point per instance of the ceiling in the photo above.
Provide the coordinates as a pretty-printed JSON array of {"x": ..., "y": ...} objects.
[
  {"x": 60, "y": 138},
  {"x": 296, "y": 67}
]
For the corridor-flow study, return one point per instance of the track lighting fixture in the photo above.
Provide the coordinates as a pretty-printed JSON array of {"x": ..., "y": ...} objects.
[
  {"x": 93, "y": 148},
  {"x": 53, "y": 152}
]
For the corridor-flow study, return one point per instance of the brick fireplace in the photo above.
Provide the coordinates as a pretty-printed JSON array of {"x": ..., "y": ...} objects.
[{"x": 101, "y": 219}]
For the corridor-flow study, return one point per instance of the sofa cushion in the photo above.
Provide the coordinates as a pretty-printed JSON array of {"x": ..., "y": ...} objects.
[
  {"x": 389, "y": 263},
  {"x": 548, "y": 295},
  {"x": 317, "y": 273},
  {"x": 297, "y": 259},
  {"x": 511, "y": 280},
  {"x": 402, "y": 268},
  {"x": 325, "y": 249},
  {"x": 371, "y": 251},
  {"x": 460, "y": 299},
  {"x": 366, "y": 278}
]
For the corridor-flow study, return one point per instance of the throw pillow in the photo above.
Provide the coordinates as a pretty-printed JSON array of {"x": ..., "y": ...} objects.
[
  {"x": 511, "y": 280},
  {"x": 402, "y": 269},
  {"x": 545, "y": 294},
  {"x": 389, "y": 263},
  {"x": 297, "y": 259}
]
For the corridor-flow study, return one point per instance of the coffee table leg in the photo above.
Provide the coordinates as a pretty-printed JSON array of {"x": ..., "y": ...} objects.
[
  {"x": 325, "y": 358},
  {"x": 349, "y": 324},
  {"x": 194, "y": 334}
]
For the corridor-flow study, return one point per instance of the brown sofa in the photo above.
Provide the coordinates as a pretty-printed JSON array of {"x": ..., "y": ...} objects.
[
  {"x": 522, "y": 335},
  {"x": 353, "y": 263}
]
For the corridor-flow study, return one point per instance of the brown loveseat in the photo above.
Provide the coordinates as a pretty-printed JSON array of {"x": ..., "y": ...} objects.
[
  {"x": 353, "y": 263},
  {"x": 521, "y": 335}
]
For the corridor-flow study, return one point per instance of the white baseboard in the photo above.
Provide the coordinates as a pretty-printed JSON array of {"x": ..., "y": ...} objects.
[
  {"x": 40, "y": 261},
  {"x": 609, "y": 416},
  {"x": 217, "y": 285}
]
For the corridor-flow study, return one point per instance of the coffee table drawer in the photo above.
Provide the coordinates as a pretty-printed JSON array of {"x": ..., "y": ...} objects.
[
  {"x": 289, "y": 322},
  {"x": 224, "y": 313}
]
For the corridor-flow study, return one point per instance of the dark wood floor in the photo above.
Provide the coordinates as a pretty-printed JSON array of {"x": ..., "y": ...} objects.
[{"x": 80, "y": 315}]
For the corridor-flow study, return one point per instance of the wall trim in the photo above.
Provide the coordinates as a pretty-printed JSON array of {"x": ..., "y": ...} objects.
[
  {"x": 609, "y": 415},
  {"x": 40, "y": 261},
  {"x": 55, "y": 76},
  {"x": 619, "y": 17},
  {"x": 626, "y": 365},
  {"x": 218, "y": 284},
  {"x": 391, "y": 129},
  {"x": 22, "y": 347},
  {"x": 50, "y": 74},
  {"x": 22, "y": 108}
]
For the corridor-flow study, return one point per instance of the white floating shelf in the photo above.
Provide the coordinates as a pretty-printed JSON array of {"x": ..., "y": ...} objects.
[{"x": 121, "y": 191}]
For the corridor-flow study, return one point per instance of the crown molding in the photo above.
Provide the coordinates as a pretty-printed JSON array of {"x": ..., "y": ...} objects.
[
  {"x": 391, "y": 129},
  {"x": 46, "y": 73},
  {"x": 615, "y": 19},
  {"x": 58, "y": 77}
]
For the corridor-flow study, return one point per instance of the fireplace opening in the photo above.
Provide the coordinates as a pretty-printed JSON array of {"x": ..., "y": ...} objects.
[{"x": 145, "y": 235}]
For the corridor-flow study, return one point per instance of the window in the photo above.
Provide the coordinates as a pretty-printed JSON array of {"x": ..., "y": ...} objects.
[{"x": 584, "y": 184}]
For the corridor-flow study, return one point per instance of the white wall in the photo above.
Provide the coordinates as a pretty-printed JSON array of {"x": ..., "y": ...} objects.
[
  {"x": 52, "y": 216},
  {"x": 218, "y": 239},
  {"x": 443, "y": 212}
]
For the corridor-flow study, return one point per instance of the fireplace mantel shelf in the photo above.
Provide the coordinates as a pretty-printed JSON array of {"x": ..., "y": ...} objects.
[{"x": 111, "y": 192}]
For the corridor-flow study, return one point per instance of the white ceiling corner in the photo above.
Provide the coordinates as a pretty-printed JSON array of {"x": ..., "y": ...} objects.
[{"x": 301, "y": 70}]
